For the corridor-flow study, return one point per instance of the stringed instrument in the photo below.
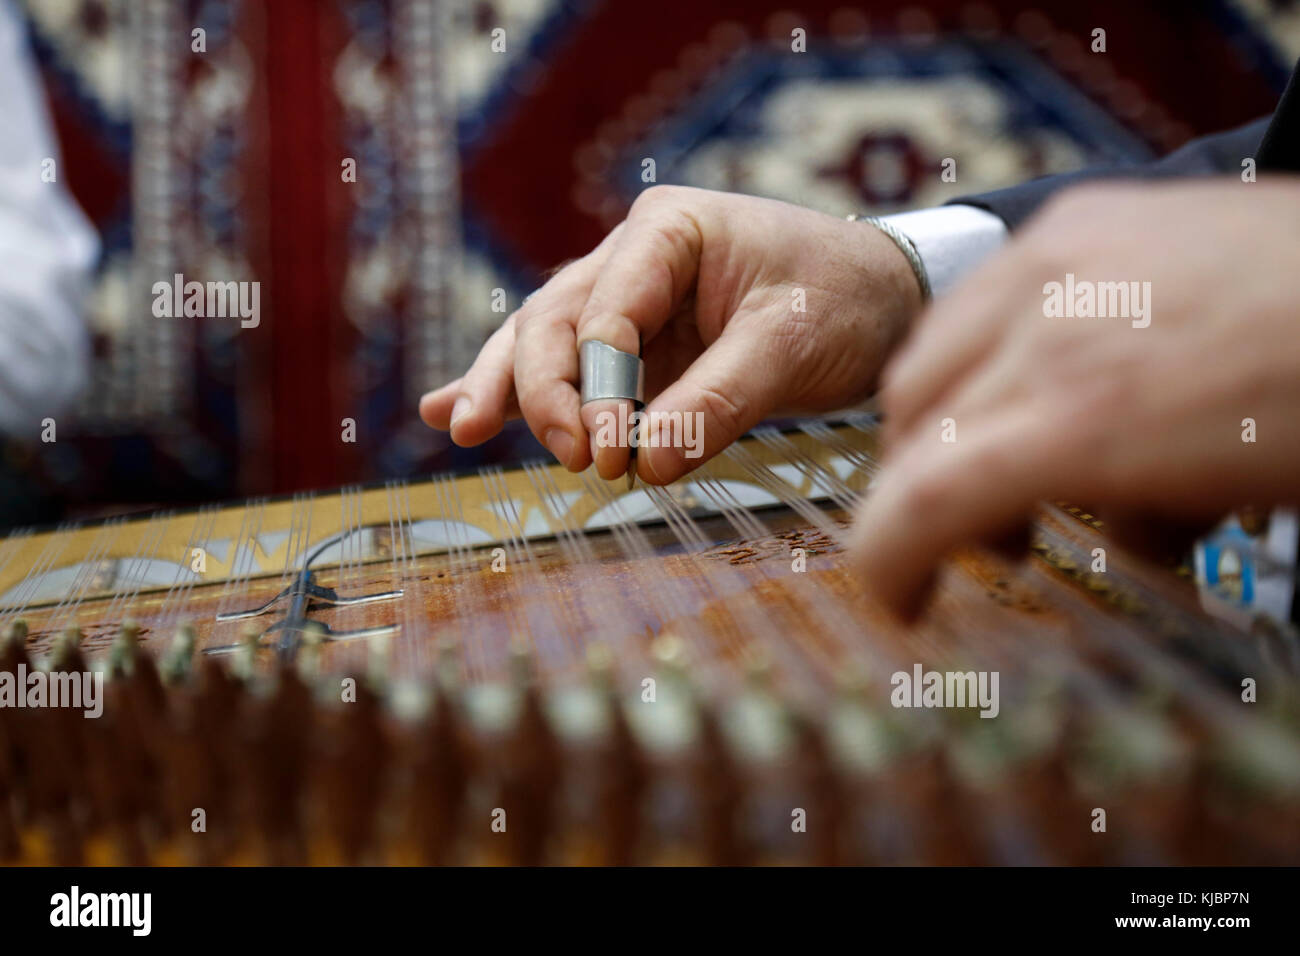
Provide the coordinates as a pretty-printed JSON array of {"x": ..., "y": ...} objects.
[{"x": 530, "y": 666}]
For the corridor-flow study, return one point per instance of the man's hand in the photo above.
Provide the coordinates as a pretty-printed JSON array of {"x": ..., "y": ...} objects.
[
  {"x": 710, "y": 286},
  {"x": 1133, "y": 422}
]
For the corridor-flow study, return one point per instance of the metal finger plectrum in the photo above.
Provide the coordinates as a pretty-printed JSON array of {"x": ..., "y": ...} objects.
[{"x": 612, "y": 374}]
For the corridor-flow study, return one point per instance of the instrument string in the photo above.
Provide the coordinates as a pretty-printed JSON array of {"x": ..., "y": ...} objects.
[
  {"x": 575, "y": 624},
  {"x": 396, "y": 574},
  {"x": 456, "y": 570},
  {"x": 560, "y": 647},
  {"x": 30, "y": 584},
  {"x": 122, "y": 569},
  {"x": 183, "y": 564},
  {"x": 810, "y": 512},
  {"x": 477, "y": 643},
  {"x": 414, "y": 647},
  {"x": 750, "y": 527},
  {"x": 921, "y": 640},
  {"x": 12, "y": 542},
  {"x": 820, "y": 478},
  {"x": 356, "y": 541},
  {"x": 349, "y": 519},
  {"x": 85, "y": 570},
  {"x": 758, "y": 625},
  {"x": 786, "y": 494},
  {"x": 354, "y": 552},
  {"x": 840, "y": 623},
  {"x": 244, "y": 558},
  {"x": 1216, "y": 709},
  {"x": 178, "y": 595},
  {"x": 10, "y": 546},
  {"x": 304, "y": 550},
  {"x": 1216, "y": 712},
  {"x": 634, "y": 547},
  {"x": 993, "y": 648},
  {"x": 343, "y": 541},
  {"x": 299, "y": 543},
  {"x": 708, "y": 662},
  {"x": 223, "y": 605},
  {"x": 291, "y": 542},
  {"x": 996, "y": 649},
  {"x": 300, "y": 533},
  {"x": 868, "y": 425},
  {"x": 575, "y": 600},
  {"x": 605, "y": 603},
  {"x": 132, "y": 576},
  {"x": 345, "y": 544},
  {"x": 861, "y": 459},
  {"x": 65, "y": 613},
  {"x": 519, "y": 622},
  {"x": 250, "y": 561},
  {"x": 386, "y": 650}
]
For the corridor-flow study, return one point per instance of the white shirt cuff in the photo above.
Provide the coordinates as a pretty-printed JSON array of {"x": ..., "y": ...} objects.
[{"x": 951, "y": 240}]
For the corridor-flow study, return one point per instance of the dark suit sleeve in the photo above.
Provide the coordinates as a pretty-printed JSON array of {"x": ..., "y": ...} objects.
[{"x": 1220, "y": 153}]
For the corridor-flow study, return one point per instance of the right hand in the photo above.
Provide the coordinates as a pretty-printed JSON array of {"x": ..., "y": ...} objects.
[{"x": 706, "y": 283}]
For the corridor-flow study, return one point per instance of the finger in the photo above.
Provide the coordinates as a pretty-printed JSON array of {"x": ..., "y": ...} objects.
[
  {"x": 651, "y": 270},
  {"x": 436, "y": 405},
  {"x": 481, "y": 398},
  {"x": 1002, "y": 376},
  {"x": 949, "y": 340},
  {"x": 936, "y": 495},
  {"x": 546, "y": 370},
  {"x": 729, "y": 389},
  {"x": 546, "y": 357},
  {"x": 611, "y": 428}
]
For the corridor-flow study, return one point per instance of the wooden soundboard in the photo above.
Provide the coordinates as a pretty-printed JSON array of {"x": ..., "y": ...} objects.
[{"x": 684, "y": 674}]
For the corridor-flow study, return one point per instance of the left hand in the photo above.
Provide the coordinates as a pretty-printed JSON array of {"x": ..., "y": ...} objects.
[{"x": 1132, "y": 421}]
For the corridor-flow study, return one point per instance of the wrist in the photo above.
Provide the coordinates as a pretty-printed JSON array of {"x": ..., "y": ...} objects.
[
  {"x": 892, "y": 285},
  {"x": 906, "y": 247},
  {"x": 884, "y": 297}
]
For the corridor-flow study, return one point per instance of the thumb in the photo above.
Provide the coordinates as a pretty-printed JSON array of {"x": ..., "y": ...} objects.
[{"x": 729, "y": 389}]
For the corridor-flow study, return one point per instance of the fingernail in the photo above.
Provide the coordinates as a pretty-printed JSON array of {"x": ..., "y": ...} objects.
[
  {"x": 560, "y": 442},
  {"x": 460, "y": 409},
  {"x": 648, "y": 456}
]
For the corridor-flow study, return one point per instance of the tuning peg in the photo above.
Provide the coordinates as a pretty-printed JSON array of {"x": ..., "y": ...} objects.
[
  {"x": 530, "y": 789},
  {"x": 15, "y": 635},
  {"x": 720, "y": 790},
  {"x": 245, "y": 664},
  {"x": 441, "y": 769},
  {"x": 121, "y": 660},
  {"x": 309, "y": 655},
  {"x": 669, "y": 652},
  {"x": 758, "y": 670},
  {"x": 67, "y": 649},
  {"x": 178, "y": 662},
  {"x": 522, "y": 665},
  {"x": 600, "y": 663},
  {"x": 378, "y": 662},
  {"x": 622, "y": 772}
]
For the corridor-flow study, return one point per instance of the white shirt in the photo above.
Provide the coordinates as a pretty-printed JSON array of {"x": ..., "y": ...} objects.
[
  {"x": 951, "y": 240},
  {"x": 47, "y": 252}
]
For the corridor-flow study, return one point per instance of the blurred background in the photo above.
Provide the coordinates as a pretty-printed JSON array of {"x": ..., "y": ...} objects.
[{"x": 478, "y": 167}]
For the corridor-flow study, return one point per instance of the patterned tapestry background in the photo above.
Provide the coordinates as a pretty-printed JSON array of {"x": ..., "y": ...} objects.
[{"x": 478, "y": 170}]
